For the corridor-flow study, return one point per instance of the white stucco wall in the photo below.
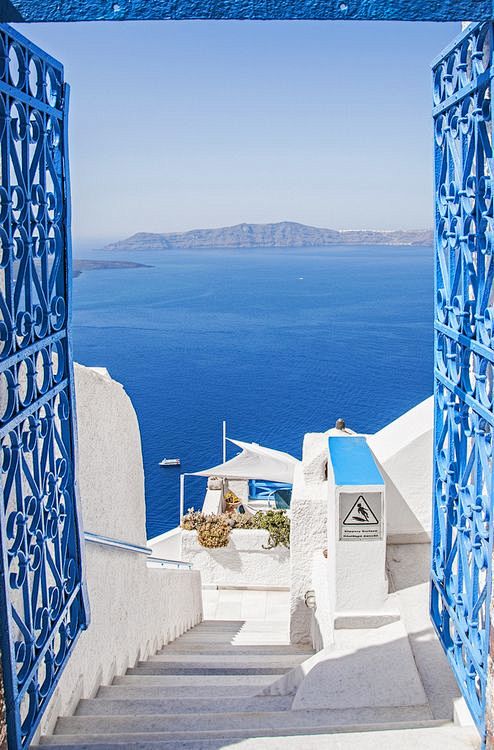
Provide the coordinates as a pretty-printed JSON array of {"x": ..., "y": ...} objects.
[
  {"x": 322, "y": 623},
  {"x": 243, "y": 563},
  {"x": 213, "y": 502},
  {"x": 403, "y": 450},
  {"x": 308, "y": 530},
  {"x": 134, "y": 609},
  {"x": 240, "y": 487},
  {"x": 167, "y": 545}
]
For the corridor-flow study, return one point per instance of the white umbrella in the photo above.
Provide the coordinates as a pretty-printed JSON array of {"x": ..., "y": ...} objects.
[{"x": 255, "y": 462}]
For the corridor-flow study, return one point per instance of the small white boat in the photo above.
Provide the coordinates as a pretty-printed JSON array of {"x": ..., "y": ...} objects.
[{"x": 170, "y": 462}]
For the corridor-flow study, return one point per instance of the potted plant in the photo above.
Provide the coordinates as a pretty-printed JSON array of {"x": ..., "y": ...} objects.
[{"x": 232, "y": 501}]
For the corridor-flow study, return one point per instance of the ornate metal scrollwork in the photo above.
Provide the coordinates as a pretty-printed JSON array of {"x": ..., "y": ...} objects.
[
  {"x": 464, "y": 359},
  {"x": 41, "y": 589}
]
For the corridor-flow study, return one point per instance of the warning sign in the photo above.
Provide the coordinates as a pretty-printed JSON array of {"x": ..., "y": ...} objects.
[{"x": 360, "y": 515}]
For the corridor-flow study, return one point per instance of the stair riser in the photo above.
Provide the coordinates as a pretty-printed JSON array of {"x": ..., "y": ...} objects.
[
  {"x": 191, "y": 636},
  {"x": 106, "y": 740},
  {"x": 226, "y": 635},
  {"x": 167, "y": 680},
  {"x": 225, "y": 661},
  {"x": 447, "y": 736},
  {"x": 249, "y": 639},
  {"x": 254, "y": 721},
  {"x": 141, "y": 706},
  {"x": 142, "y": 691},
  {"x": 159, "y": 669},
  {"x": 238, "y": 625},
  {"x": 233, "y": 650},
  {"x": 278, "y": 632}
]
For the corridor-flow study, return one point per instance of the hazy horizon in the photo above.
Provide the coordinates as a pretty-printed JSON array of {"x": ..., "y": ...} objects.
[
  {"x": 179, "y": 126},
  {"x": 86, "y": 244}
]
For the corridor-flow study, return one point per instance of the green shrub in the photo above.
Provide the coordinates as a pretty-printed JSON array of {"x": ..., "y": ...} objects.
[
  {"x": 242, "y": 521},
  {"x": 214, "y": 530},
  {"x": 277, "y": 524}
]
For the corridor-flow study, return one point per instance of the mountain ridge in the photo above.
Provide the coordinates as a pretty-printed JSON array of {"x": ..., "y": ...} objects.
[{"x": 277, "y": 234}]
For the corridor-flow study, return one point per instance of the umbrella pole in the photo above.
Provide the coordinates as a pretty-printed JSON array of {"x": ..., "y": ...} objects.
[{"x": 182, "y": 495}]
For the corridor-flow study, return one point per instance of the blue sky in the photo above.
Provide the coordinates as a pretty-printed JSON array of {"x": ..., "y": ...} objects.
[{"x": 195, "y": 124}]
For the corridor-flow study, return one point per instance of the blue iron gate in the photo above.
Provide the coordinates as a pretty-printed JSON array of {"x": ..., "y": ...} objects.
[
  {"x": 464, "y": 358},
  {"x": 42, "y": 598}
]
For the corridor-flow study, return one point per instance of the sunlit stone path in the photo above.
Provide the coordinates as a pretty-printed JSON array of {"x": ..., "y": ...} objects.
[{"x": 203, "y": 691}]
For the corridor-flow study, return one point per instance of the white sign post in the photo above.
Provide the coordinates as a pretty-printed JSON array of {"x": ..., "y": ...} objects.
[{"x": 356, "y": 530}]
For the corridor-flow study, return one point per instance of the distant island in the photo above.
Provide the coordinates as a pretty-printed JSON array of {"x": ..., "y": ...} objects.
[
  {"x": 79, "y": 265},
  {"x": 281, "y": 234}
]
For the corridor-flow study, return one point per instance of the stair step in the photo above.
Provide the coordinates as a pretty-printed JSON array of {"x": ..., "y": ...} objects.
[
  {"x": 230, "y": 633},
  {"x": 204, "y": 690},
  {"x": 138, "y": 739},
  {"x": 227, "y": 660},
  {"x": 126, "y": 706},
  {"x": 232, "y": 624},
  {"x": 204, "y": 669},
  {"x": 242, "y": 627},
  {"x": 142, "y": 689},
  {"x": 426, "y": 738},
  {"x": 164, "y": 680},
  {"x": 226, "y": 649},
  {"x": 248, "y": 639},
  {"x": 237, "y": 627},
  {"x": 247, "y": 722}
]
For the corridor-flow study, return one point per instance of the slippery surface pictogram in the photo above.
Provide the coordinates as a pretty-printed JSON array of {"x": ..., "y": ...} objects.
[{"x": 360, "y": 514}]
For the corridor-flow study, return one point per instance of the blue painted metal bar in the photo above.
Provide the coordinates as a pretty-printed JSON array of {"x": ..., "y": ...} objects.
[
  {"x": 462, "y": 94},
  {"x": 18, "y": 11},
  {"x": 34, "y": 348},
  {"x": 462, "y": 530},
  {"x": 464, "y": 397},
  {"x": 476, "y": 346},
  {"x": 261, "y": 489},
  {"x": 33, "y": 408},
  {"x": 43, "y": 600}
]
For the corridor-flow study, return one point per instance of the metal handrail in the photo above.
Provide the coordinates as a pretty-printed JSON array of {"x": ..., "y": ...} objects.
[
  {"x": 164, "y": 561},
  {"x": 109, "y": 542}
]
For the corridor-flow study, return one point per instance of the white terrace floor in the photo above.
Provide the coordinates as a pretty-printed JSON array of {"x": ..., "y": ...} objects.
[{"x": 246, "y": 604}]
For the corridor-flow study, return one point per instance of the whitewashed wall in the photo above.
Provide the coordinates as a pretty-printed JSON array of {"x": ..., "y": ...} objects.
[
  {"x": 403, "y": 450},
  {"x": 308, "y": 530},
  {"x": 167, "y": 545},
  {"x": 243, "y": 563},
  {"x": 134, "y": 609}
]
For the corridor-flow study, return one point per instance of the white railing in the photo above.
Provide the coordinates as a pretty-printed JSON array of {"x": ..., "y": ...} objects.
[{"x": 153, "y": 562}]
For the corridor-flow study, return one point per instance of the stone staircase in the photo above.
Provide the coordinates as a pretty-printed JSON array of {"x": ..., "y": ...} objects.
[{"x": 203, "y": 692}]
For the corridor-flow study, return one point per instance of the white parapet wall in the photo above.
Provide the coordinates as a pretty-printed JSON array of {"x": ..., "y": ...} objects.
[
  {"x": 167, "y": 545},
  {"x": 135, "y": 609},
  {"x": 244, "y": 562},
  {"x": 403, "y": 451},
  {"x": 308, "y": 530}
]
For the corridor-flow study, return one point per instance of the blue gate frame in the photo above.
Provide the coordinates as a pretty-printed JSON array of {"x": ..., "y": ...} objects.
[
  {"x": 464, "y": 359},
  {"x": 41, "y": 566}
]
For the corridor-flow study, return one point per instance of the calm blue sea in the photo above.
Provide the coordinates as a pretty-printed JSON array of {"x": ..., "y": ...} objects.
[{"x": 278, "y": 342}]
